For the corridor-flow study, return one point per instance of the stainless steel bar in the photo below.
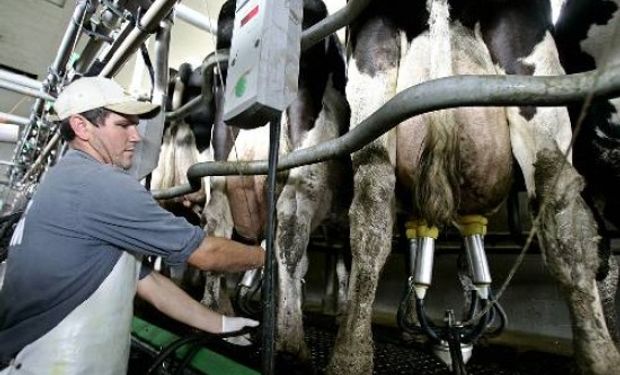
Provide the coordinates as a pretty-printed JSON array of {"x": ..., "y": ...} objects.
[
  {"x": 20, "y": 79},
  {"x": 8, "y": 117},
  {"x": 25, "y": 90},
  {"x": 195, "y": 18},
  {"x": 156, "y": 12},
  {"x": 162, "y": 50},
  {"x": 68, "y": 40},
  {"x": 327, "y": 26},
  {"x": 449, "y": 92},
  {"x": 151, "y": 130},
  {"x": 82, "y": 8}
]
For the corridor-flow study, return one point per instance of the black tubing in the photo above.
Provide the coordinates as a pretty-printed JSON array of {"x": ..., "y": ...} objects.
[
  {"x": 424, "y": 321},
  {"x": 188, "y": 358},
  {"x": 201, "y": 337}
]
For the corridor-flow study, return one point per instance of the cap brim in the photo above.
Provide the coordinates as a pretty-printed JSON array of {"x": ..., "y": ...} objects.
[{"x": 136, "y": 108}]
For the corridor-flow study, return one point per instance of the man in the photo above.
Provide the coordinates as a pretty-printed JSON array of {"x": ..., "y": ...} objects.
[{"x": 74, "y": 261}]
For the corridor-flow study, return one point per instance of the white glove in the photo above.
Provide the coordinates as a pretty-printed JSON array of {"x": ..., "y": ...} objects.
[{"x": 231, "y": 324}]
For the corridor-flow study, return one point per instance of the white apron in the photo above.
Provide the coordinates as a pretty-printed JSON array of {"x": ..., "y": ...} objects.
[{"x": 94, "y": 338}]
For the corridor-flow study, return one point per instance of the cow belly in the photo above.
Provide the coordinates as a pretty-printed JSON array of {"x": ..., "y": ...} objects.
[{"x": 246, "y": 194}]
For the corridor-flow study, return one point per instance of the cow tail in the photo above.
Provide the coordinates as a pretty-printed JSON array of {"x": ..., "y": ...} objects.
[{"x": 437, "y": 195}]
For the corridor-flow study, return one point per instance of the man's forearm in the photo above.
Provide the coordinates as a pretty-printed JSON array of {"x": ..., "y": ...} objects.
[
  {"x": 224, "y": 255},
  {"x": 171, "y": 300}
]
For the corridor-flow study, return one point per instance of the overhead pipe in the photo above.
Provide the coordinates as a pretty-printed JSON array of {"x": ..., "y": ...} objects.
[
  {"x": 448, "y": 92},
  {"x": 40, "y": 94},
  {"x": 156, "y": 12},
  {"x": 11, "y": 118},
  {"x": 9, "y": 133},
  {"x": 195, "y": 18},
  {"x": 19, "y": 79}
]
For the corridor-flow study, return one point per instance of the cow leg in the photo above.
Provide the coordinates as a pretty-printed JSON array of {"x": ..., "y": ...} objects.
[
  {"x": 294, "y": 210},
  {"x": 539, "y": 137},
  {"x": 218, "y": 222},
  {"x": 608, "y": 286},
  {"x": 569, "y": 240},
  {"x": 607, "y": 273},
  {"x": 372, "y": 81},
  {"x": 371, "y": 217}
]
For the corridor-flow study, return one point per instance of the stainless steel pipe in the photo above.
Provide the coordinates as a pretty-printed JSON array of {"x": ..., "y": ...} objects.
[
  {"x": 11, "y": 118},
  {"x": 195, "y": 18},
  {"x": 156, "y": 12},
  {"x": 20, "y": 80},
  {"x": 448, "y": 92},
  {"x": 40, "y": 94}
]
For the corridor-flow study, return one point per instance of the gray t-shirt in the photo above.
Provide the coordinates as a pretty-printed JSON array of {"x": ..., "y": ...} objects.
[{"x": 83, "y": 215}]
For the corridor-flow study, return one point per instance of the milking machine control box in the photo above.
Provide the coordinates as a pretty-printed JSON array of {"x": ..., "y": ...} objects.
[{"x": 263, "y": 66}]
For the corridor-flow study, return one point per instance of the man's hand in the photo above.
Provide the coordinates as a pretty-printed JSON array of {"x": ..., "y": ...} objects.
[{"x": 232, "y": 324}]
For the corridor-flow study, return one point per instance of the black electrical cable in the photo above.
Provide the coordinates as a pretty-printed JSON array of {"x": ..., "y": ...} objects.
[
  {"x": 191, "y": 353},
  {"x": 147, "y": 61},
  {"x": 425, "y": 323},
  {"x": 454, "y": 346},
  {"x": 473, "y": 333},
  {"x": 270, "y": 276},
  {"x": 473, "y": 305},
  {"x": 201, "y": 337}
]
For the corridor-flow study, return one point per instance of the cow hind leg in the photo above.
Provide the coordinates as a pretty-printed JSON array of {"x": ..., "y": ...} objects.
[
  {"x": 294, "y": 212},
  {"x": 608, "y": 287},
  {"x": 371, "y": 217},
  {"x": 569, "y": 240},
  {"x": 372, "y": 80},
  {"x": 539, "y": 137}
]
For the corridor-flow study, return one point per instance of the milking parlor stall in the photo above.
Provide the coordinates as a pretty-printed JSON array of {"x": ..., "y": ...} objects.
[{"x": 435, "y": 182}]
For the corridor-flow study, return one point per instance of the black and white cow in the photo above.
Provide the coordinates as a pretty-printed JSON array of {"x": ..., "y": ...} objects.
[
  {"x": 185, "y": 142},
  {"x": 395, "y": 44},
  {"x": 585, "y": 38},
  {"x": 307, "y": 195}
]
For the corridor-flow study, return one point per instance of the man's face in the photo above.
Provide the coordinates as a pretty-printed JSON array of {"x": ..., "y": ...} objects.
[{"x": 115, "y": 140}]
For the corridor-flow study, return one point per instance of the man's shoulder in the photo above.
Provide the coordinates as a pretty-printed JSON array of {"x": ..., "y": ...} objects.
[{"x": 92, "y": 172}]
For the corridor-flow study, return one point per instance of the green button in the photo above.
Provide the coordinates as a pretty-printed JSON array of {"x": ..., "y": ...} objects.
[{"x": 241, "y": 86}]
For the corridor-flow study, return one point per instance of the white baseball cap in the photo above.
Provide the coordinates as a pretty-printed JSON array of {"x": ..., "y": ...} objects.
[{"x": 89, "y": 93}]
